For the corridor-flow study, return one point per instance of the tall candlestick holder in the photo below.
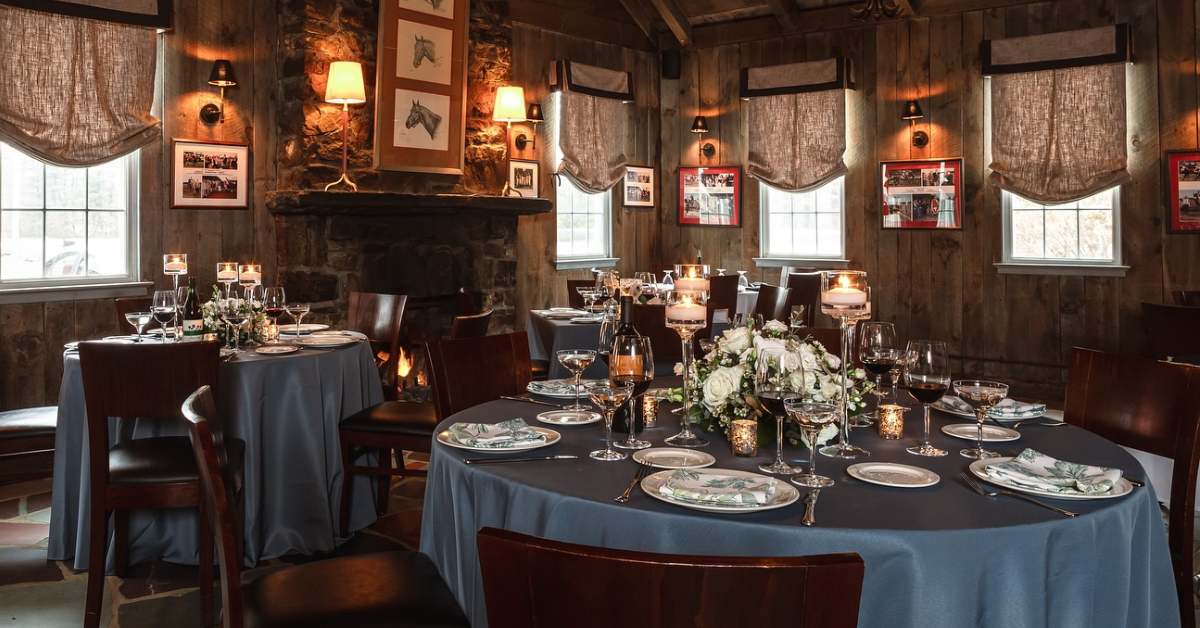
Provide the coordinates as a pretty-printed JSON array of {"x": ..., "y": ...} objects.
[
  {"x": 687, "y": 313},
  {"x": 174, "y": 265},
  {"x": 846, "y": 296},
  {"x": 227, "y": 275}
]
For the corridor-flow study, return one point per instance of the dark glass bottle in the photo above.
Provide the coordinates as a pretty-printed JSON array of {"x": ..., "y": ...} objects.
[
  {"x": 627, "y": 363},
  {"x": 193, "y": 320}
]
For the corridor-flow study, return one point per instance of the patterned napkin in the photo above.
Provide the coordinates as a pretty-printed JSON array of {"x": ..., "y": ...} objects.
[
  {"x": 702, "y": 487},
  {"x": 503, "y": 435},
  {"x": 1006, "y": 409},
  {"x": 1033, "y": 469},
  {"x": 558, "y": 386}
]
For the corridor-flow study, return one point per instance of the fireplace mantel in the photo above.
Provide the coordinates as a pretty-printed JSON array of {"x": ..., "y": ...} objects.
[{"x": 380, "y": 204}]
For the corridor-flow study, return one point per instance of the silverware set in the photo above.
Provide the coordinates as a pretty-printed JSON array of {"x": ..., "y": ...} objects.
[
  {"x": 642, "y": 471},
  {"x": 985, "y": 491}
]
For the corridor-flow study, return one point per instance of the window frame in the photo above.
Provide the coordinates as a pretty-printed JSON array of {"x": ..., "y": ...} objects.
[
  {"x": 1010, "y": 264},
  {"x": 604, "y": 258},
  {"x": 766, "y": 260}
]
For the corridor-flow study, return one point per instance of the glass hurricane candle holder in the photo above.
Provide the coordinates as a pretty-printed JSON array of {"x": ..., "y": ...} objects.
[
  {"x": 686, "y": 313},
  {"x": 846, "y": 296},
  {"x": 175, "y": 264},
  {"x": 891, "y": 421},
  {"x": 743, "y": 437},
  {"x": 227, "y": 275},
  {"x": 249, "y": 275},
  {"x": 691, "y": 277}
]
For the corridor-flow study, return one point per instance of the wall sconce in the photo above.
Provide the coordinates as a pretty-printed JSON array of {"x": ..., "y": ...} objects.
[
  {"x": 508, "y": 108},
  {"x": 345, "y": 87},
  {"x": 534, "y": 116},
  {"x": 700, "y": 127},
  {"x": 912, "y": 112},
  {"x": 222, "y": 77}
]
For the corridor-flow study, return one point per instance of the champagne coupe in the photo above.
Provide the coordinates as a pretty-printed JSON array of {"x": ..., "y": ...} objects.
[
  {"x": 812, "y": 418},
  {"x": 982, "y": 396},
  {"x": 608, "y": 397},
  {"x": 687, "y": 313},
  {"x": 771, "y": 387},
  {"x": 927, "y": 376},
  {"x": 297, "y": 312},
  {"x": 274, "y": 304},
  {"x": 139, "y": 320},
  {"x": 234, "y": 316},
  {"x": 632, "y": 362},
  {"x": 163, "y": 308},
  {"x": 845, "y": 296},
  {"x": 878, "y": 352},
  {"x": 576, "y": 361}
]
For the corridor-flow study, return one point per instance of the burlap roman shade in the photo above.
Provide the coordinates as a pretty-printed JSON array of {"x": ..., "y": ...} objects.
[
  {"x": 796, "y": 121},
  {"x": 587, "y": 123},
  {"x": 155, "y": 13},
  {"x": 74, "y": 91},
  {"x": 1058, "y": 113}
]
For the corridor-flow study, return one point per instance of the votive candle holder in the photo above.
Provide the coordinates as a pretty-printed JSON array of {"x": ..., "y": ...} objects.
[
  {"x": 891, "y": 421},
  {"x": 650, "y": 410},
  {"x": 743, "y": 437}
]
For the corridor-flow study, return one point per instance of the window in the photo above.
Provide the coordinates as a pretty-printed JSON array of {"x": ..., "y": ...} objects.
[
  {"x": 64, "y": 227},
  {"x": 1081, "y": 233},
  {"x": 803, "y": 225},
  {"x": 583, "y": 222}
]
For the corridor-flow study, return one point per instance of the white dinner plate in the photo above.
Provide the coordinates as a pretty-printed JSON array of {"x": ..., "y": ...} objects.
[
  {"x": 991, "y": 433},
  {"x": 323, "y": 342},
  {"x": 558, "y": 388},
  {"x": 1121, "y": 489},
  {"x": 305, "y": 328},
  {"x": 341, "y": 332},
  {"x": 892, "y": 474},
  {"x": 674, "y": 458},
  {"x": 276, "y": 349},
  {"x": 550, "y": 435},
  {"x": 561, "y": 315},
  {"x": 585, "y": 320},
  {"x": 569, "y": 417},
  {"x": 785, "y": 494},
  {"x": 563, "y": 309}
]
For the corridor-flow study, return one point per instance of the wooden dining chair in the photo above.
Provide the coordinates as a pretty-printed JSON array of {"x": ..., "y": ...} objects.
[
  {"x": 380, "y": 316},
  {"x": 469, "y": 371},
  {"x": 650, "y": 321},
  {"x": 471, "y": 326},
  {"x": 1173, "y": 331},
  {"x": 1154, "y": 407},
  {"x": 528, "y": 581},
  {"x": 399, "y": 589},
  {"x": 723, "y": 294},
  {"x": 126, "y": 305},
  {"x": 574, "y": 299},
  {"x": 804, "y": 289},
  {"x": 1186, "y": 297},
  {"x": 469, "y": 302},
  {"x": 772, "y": 303},
  {"x": 148, "y": 382}
]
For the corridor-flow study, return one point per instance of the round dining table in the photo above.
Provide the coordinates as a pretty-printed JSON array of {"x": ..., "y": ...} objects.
[
  {"x": 937, "y": 556},
  {"x": 286, "y": 408}
]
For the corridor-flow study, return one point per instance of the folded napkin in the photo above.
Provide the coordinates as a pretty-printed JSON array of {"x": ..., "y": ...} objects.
[
  {"x": 501, "y": 435},
  {"x": 701, "y": 487},
  {"x": 1006, "y": 409},
  {"x": 1033, "y": 469}
]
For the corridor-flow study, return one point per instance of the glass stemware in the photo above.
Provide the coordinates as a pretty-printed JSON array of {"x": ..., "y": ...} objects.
[
  {"x": 812, "y": 418},
  {"x": 982, "y": 396},
  {"x": 686, "y": 313},
  {"x": 845, "y": 296},
  {"x": 632, "y": 362},
  {"x": 796, "y": 321},
  {"x": 163, "y": 308},
  {"x": 297, "y": 312},
  {"x": 927, "y": 377},
  {"x": 274, "y": 305},
  {"x": 743, "y": 281},
  {"x": 878, "y": 351},
  {"x": 234, "y": 316},
  {"x": 182, "y": 295},
  {"x": 772, "y": 391},
  {"x": 667, "y": 281},
  {"x": 576, "y": 361},
  {"x": 608, "y": 397},
  {"x": 139, "y": 320}
]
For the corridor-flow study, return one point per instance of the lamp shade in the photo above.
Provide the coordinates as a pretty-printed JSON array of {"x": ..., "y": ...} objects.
[
  {"x": 222, "y": 74},
  {"x": 700, "y": 125},
  {"x": 345, "y": 84},
  {"x": 534, "y": 114},
  {"x": 510, "y": 104},
  {"x": 912, "y": 111}
]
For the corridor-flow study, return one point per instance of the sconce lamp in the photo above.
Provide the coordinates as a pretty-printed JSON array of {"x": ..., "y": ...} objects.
[
  {"x": 534, "y": 116},
  {"x": 508, "y": 108},
  {"x": 700, "y": 126},
  {"x": 345, "y": 87},
  {"x": 912, "y": 112},
  {"x": 222, "y": 77}
]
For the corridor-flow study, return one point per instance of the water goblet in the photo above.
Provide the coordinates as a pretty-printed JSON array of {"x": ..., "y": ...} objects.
[
  {"x": 812, "y": 417},
  {"x": 163, "y": 307},
  {"x": 982, "y": 396},
  {"x": 139, "y": 320},
  {"x": 772, "y": 392},
  {"x": 576, "y": 361},
  {"x": 927, "y": 376},
  {"x": 608, "y": 397}
]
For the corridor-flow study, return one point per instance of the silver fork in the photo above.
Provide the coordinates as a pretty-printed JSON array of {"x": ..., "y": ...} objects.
[
  {"x": 978, "y": 487},
  {"x": 642, "y": 471}
]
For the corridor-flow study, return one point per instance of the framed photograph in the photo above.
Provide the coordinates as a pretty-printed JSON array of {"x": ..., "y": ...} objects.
[
  {"x": 523, "y": 178},
  {"x": 922, "y": 194},
  {"x": 710, "y": 196},
  {"x": 1183, "y": 191},
  {"x": 209, "y": 175},
  {"x": 639, "y": 186},
  {"x": 421, "y": 86}
]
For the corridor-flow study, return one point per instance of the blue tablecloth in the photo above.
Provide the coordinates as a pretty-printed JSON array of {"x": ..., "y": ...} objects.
[
  {"x": 286, "y": 408},
  {"x": 939, "y": 556}
]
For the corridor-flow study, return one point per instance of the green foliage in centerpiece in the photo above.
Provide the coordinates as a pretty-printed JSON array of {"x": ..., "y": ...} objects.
[{"x": 214, "y": 325}]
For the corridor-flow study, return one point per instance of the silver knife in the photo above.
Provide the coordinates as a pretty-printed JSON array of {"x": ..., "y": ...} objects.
[
  {"x": 498, "y": 460},
  {"x": 810, "y": 507},
  {"x": 528, "y": 400}
]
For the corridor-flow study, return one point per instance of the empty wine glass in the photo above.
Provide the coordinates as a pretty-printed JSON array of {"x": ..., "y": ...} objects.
[
  {"x": 608, "y": 397},
  {"x": 139, "y": 320},
  {"x": 743, "y": 281},
  {"x": 233, "y": 313},
  {"x": 982, "y": 396},
  {"x": 772, "y": 390},
  {"x": 720, "y": 272},
  {"x": 812, "y": 417},
  {"x": 878, "y": 352},
  {"x": 927, "y": 376},
  {"x": 667, "y": 281},
  {"x": 796, "y": 320},
  {"x": 576, "y": 361},
  {"x": 163, "y": 308},
  {"x": 297, "y": 312},
  {"x": 182, "y": 295},
  {"x": 632, "y": 362}
]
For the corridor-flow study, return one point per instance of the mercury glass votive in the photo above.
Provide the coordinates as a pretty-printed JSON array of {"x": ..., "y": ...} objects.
[
  {"x": 743, "y": 437},
  {"x": 650, "y": 409},
  {"x": 891, "y": 421}
]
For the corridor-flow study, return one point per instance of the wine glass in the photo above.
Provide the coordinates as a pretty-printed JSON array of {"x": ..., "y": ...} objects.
[
  {"x": 139, "y": 320},
  {"x": 878, "y": 352},
  {"x": 182, "y": 295},
  {"x": 667, "y": 281},
  {"x": 772, "y": 390},
  {"x": 274, "y": 304},
  {"x": 608, "y": 332},
  {"x": 163, "y": 308},
  {"x": 720, "y": 272},
  {"x": 927, "y": 377},
  {"x": 796, "y": 320},
  {"x": 576, "y": 361},
  {"x": 812, "y": 418},
  {"x": 743, "y": 281},
  {"x": 608, "y": 397},
  {"x": 234, "y": 316},
  {"x": 297, "y": 312},
  {"x": 982, "y": 396},
  {"x": 632, "y": 362}
]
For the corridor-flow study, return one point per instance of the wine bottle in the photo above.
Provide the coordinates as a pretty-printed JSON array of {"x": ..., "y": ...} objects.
[
  {"x": 193, "y": 320},
  {"x": 626, "y": 366}
]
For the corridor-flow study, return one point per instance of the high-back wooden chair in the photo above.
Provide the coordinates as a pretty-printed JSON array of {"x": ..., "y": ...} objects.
[
  {"x": 126, "y": 305},
  {"x": 469, "y": 302},
  {"x": 574, "y": 299},
  {"x": 1186, "y": 297},
  {"x": 149, "y": 382},
  {"x": 382, "y": 589},
  {"x": 470, "y": 371},
  {"x": 1152, "y": 406},
  {"x": 830, "y": 338},
  {"x": 379, "y": 316},
  {"x": 650, "y": 321},
  {"x": 804, "y": 289},
  {"x": 722, "y": 295},
  {"x": 528, "y": 581},
  {"x": 1173, "y": 331},
  {"x": 471, "y": 326},
  {"x": 772, "y": 303}
]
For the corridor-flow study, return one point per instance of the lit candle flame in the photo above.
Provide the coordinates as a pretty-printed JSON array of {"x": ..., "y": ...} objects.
[{"x": 843, "y": 281}]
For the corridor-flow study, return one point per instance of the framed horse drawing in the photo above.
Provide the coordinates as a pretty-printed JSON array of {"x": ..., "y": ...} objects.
[{"x": 420, "y": 86}]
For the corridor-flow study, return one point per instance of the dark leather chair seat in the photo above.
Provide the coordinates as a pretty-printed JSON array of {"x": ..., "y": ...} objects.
[
  {"x": 28, "y": 422},
  {"x": 165, "y": 459},
  {"x": 388, "y": 589},
  {"x": 395, "y": 417}
]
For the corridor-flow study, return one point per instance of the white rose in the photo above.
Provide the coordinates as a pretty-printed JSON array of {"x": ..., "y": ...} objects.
[
  {"x": 721, "y": 384},
  {"x": 774, "y": 326},
  {"x": 833, "y": 361},
  {"x": 773, "y": 347},
  {"x": 796, "y": 379},
  {"x": 790, "y": 361},
  {"x": 737, "y": 340},
  {"x": 678, "y": 368},
  {"x": 824, "y": 436},
  {"x": 830, "y": 389},
  {"x": 809, "y": 357}
]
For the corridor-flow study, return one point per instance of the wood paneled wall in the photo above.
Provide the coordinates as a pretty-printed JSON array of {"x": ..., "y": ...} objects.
[{"x": 943, "y": 284}]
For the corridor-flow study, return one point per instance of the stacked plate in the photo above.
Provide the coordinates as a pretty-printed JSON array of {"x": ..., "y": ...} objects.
[{"x": 781, "y": 493}]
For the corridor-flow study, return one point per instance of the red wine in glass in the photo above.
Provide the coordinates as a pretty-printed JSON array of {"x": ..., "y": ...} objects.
[{"x": 927, "y": 392}]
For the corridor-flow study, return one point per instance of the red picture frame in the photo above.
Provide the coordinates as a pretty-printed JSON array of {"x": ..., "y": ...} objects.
[
  {"x": 710, "y": 196},
  {"x": 922, "y": 194},
  {"x": 1183, "y": 191}
]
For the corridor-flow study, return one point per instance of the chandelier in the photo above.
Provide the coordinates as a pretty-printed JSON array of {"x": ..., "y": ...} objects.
[{"x": 876, "y": 9}]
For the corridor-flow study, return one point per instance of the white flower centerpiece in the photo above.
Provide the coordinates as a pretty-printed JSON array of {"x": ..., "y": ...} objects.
[
  {"x": 723, "y": 380},
  {"x": 214, "y": 325}
]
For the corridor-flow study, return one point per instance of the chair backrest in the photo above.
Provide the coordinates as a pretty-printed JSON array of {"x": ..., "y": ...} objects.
[
  {"x": 126, "y": 305},
  {"x": 1155, "y": 407},
  {"x": 208, "y": 448},
  {"x": 785, "y": 271},
  {"x": 1172, "y": 330},
  {"x": 651, "y": 321},
  {"x": 469, "y": 302},
  {"x": 574, "y": 299},
  {"x": 772, "y": 302},
  {"x": 146, "y": 380},
  {"x": 379, "y": 316},
  {"x": 1186, "y": 297},
  {"x": 469, "y": 371},
  {"x": 804, "y": 289},
  {"x": 831, "y": 339},
  {"x": 529, "y": 581},
  {"x": 723, "y": 294},
  {"x": 473, "y": 326}
]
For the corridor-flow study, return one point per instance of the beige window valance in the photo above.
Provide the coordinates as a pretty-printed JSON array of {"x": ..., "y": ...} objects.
[
  {"x": 1059, "y": 130},
  {"x": 587, "y": 123},
  {"x": 75, "y": 92},
  {"x": 155, "y": 13},
  {"x": 796, "y": 123}
]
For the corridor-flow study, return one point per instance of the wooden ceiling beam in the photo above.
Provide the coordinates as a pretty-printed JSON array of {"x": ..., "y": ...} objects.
[
  {"x": 786, "y": 12},
  {"x": 676, "y": 20},
  {"x": 641, "y": 15}
]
